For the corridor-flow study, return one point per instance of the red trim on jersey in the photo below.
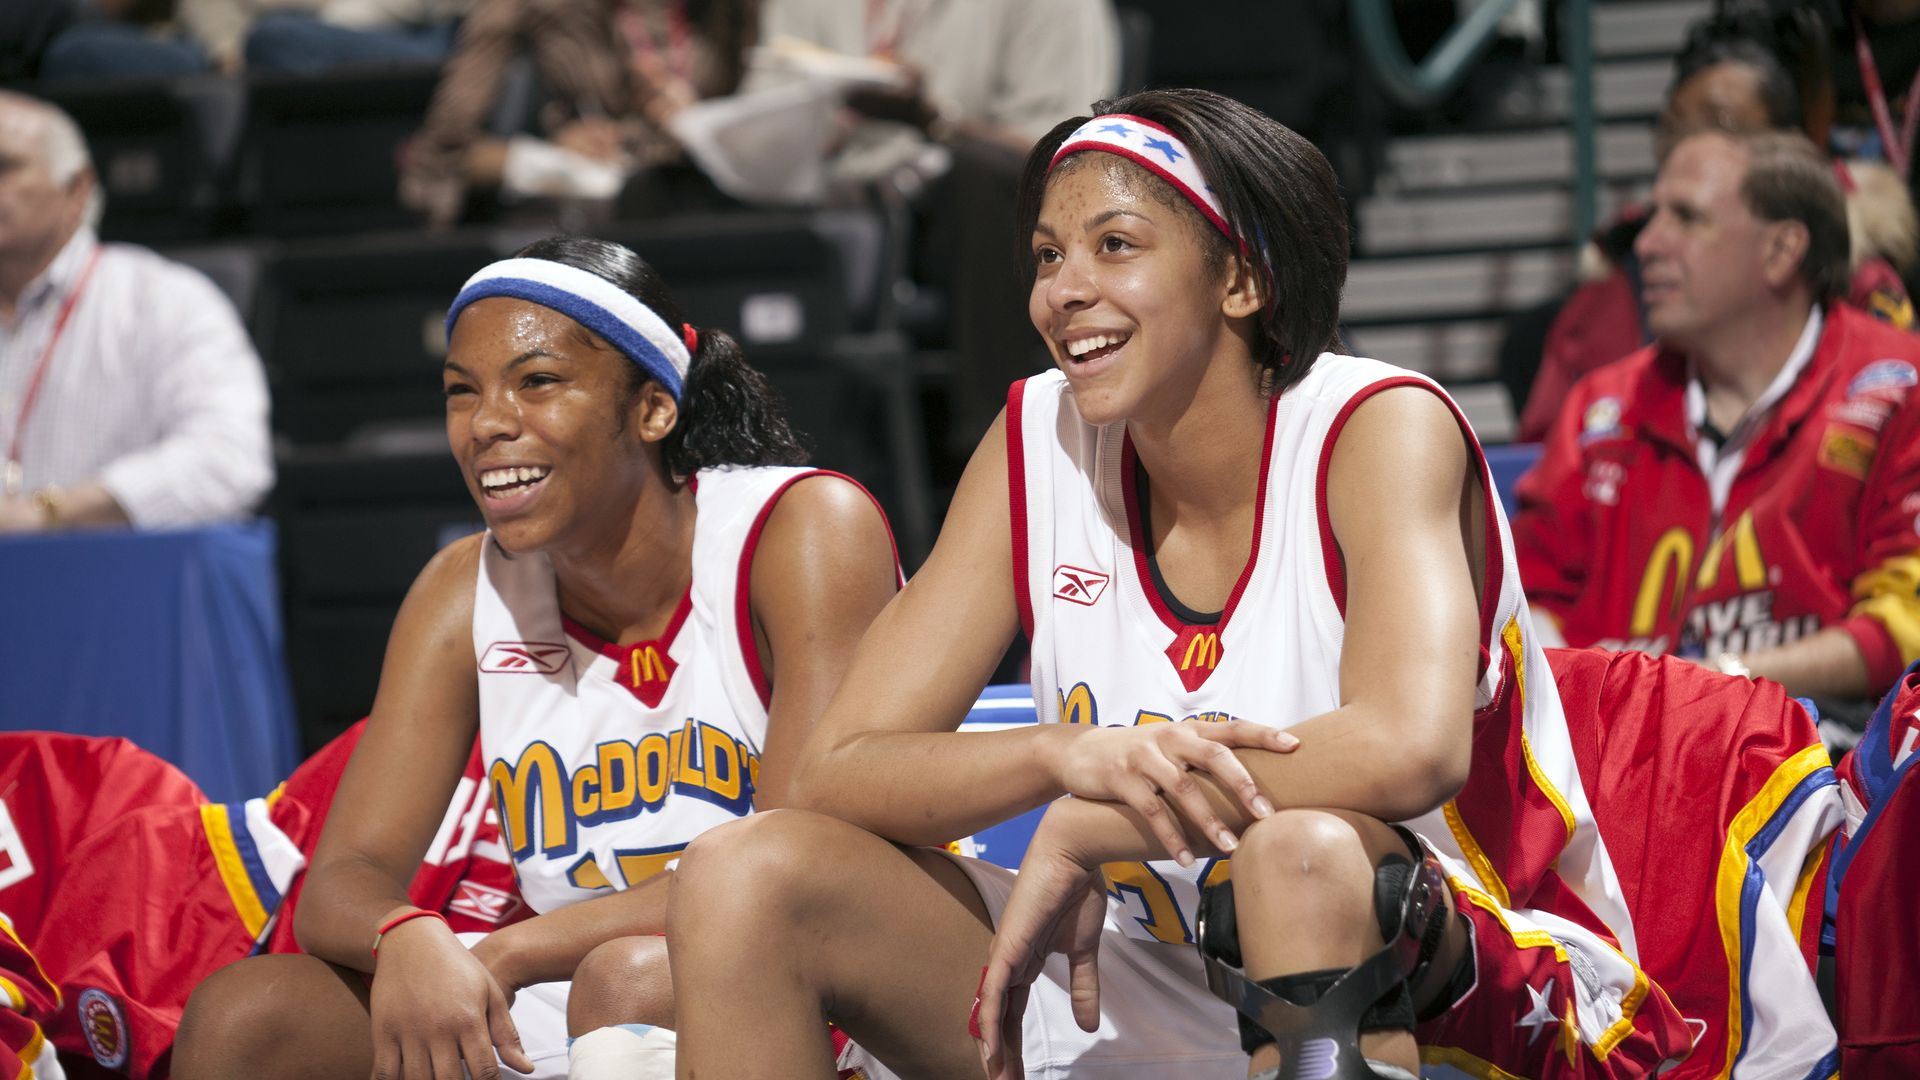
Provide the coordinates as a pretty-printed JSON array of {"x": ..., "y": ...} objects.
[
  {"x": 1017, "y": 504},
  {"x": 1330, "y": 550},
  {"x": 619, "y": 652},
  {"x": 743, "y": 584},
  {"x": 1136, "y": 536}
]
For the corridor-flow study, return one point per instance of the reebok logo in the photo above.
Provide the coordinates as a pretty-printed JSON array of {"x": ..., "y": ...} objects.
[
  {"x": 483, "y": 902},
  {"x": 523, "y": 658},
  {"x": 1079, "y": 586}
]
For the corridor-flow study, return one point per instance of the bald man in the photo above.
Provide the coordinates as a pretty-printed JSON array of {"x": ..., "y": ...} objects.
[{"x": 129, "y": 392}]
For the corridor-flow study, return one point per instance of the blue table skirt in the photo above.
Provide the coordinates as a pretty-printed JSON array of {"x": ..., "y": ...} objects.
[{"x": 171, "y": 639}]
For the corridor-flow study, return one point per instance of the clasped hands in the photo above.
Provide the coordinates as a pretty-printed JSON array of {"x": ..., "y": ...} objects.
[{"x": 1058, "y": 903}]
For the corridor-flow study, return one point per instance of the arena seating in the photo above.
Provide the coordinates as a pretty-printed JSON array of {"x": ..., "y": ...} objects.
[{"x": 282, "y": 189}]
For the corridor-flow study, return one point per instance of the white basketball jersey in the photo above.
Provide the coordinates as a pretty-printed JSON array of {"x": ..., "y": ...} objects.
[
  {"x": 1107, "y": 649},
  {"x": 606, "y": 760}
]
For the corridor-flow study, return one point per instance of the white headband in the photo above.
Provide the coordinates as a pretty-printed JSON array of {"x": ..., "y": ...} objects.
[
  {"x": 1153, "y": 148},
  {"x": 593, "y": 302}
]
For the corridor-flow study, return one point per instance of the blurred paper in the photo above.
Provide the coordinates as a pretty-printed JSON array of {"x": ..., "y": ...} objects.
[
  {"x": 798, "y": 57},
  {"x": 766, "y": 146},
  {"x": 537, "y": 168}
]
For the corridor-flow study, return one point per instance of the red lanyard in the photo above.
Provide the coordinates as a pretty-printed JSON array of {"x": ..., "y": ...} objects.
[
  {"x": 646, "y": 53},
  {"x": 1899, "y": 146},
  {"x": 884, "y": 43},
  {"x": 12, "y": 464}
]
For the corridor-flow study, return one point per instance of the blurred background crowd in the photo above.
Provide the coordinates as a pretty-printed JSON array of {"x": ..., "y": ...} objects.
[{"x": 291, "y": 191}]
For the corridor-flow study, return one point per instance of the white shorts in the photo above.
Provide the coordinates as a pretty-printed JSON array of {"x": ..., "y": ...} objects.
[
  {"x": 1157, "y": 1018},
  {"x": 540, "y": 1015}
]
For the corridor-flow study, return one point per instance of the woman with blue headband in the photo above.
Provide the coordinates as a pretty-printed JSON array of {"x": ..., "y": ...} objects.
[
  {"x": 1211, "y": 525},
  {"x": 659, "y": 608}
]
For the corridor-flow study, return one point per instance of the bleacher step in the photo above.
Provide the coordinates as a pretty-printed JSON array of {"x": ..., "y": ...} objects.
[
  {"x": 1476, "y": 218},
  {"x": 1644, "y": 27},
  {"x": 1454, "y": 286},
  {"x": 1443, "y": 162}
]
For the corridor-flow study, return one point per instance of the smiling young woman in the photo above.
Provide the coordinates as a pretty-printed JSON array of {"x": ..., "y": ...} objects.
[
  {"x": 1281, "y": 533},
  {"x": 659, "y": 608}
]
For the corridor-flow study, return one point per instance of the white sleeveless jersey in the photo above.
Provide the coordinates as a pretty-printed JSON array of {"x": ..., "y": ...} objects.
[
  {"x": 1108, "y": 650},
  {"x": 607, "y": 760}
]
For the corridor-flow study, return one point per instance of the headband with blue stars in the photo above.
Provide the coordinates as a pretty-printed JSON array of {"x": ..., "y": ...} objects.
[{"x": 1154, "y": 149}]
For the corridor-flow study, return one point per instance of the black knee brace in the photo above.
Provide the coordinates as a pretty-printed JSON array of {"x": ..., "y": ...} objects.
[{"x": 1317, "y": 1016}]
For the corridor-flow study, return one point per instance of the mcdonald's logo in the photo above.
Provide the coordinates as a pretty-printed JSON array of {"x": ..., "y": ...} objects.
[
  {"x": 1195, "y": 653},
  {"x": 647, "y": 671},
  {"x": 1663, "y": 584}
]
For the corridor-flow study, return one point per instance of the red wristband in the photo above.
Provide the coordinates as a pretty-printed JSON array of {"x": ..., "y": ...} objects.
[{"x": 405, "y": 916}]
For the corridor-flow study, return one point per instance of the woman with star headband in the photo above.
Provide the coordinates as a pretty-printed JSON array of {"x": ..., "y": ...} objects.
[
  {"x": 660, "y": 606},
  {"x": 1212, "y": 525}
]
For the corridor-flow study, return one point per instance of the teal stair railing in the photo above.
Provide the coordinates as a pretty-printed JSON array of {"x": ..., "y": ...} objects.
[{"x": 1426, "y": 84}]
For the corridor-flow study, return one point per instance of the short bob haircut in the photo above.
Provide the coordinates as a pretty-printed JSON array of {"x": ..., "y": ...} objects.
[
  {"x": 1789, "y": 179},
  {"x": 1282, "y": 203}
]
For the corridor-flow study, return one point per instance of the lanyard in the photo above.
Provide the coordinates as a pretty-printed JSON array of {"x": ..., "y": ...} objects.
[
  {"x": 1900, "y": 145},
  {"x": 646, "y": 52},
  {"x": 14, "y": 473},
  {"x": 884, "y": 42}
]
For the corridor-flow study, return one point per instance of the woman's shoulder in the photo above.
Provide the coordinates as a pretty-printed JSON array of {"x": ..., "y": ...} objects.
[{"x": 446, "y": 583}]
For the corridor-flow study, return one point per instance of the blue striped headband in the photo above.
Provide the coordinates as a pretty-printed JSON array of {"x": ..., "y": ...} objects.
[{"x": 593, "y": 302}]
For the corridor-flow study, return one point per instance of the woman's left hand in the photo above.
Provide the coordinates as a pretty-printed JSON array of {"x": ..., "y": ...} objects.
[{"x": 1058, "y": 905}]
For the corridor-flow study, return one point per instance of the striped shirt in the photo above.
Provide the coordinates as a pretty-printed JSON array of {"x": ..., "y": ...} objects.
[{"x": 152, "y": 389}]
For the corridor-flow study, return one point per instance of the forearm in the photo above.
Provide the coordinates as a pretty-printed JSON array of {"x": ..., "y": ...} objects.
[
  {"x": 1348, "y": 759},
  {"x": 547, "y": 948},
  {"x": 343, "y": 904},
  {"x": 1826, "y": 664},
  {"x": 932, "y": 788},
  {"x": 81, "y": 506}
]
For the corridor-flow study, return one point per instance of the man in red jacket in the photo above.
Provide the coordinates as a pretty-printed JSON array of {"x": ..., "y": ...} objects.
[{"x": 1745, "y": 490}]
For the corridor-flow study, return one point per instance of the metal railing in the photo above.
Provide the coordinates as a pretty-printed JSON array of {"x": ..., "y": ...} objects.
[{"x": 1426, "y": 84}]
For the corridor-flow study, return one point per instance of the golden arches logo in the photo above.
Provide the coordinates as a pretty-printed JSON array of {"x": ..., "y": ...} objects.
[
  {"x": 1203, "y": 650},
  {"x": 1671, "y": 561},
  {"x": 647, "y": 666},
  {"x": 1749, "y": 566}
]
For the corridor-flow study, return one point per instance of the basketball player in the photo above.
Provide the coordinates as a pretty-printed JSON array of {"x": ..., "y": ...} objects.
[
  {"x": 659, "y": 608},
  {"x": 1217, "y": 522}
]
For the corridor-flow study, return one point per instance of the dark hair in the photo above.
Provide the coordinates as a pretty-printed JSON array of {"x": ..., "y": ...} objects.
[
  {"x": 1727, "y": 40},
  {"x": 729, "y": 415},
  {"x": 1789, "y": 179},
  {"x": 732, "y": 28},
  {"x": 1281, "y": 200}
]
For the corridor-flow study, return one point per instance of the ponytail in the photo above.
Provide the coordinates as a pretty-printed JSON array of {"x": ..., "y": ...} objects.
[{"x": 729, "y": 414}]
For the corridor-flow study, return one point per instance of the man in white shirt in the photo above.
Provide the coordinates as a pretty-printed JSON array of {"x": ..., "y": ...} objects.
[{"x": 129, "y": 391}]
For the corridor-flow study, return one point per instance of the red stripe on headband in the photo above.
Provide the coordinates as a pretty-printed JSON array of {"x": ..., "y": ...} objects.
[
  {"x": 1158, "y": 170},
  {"x": 1199, "y": 201}
]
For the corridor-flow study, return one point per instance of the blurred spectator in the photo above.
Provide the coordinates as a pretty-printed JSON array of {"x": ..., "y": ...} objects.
[
  {"x": 1726, "y": 84},
  {"x": 985, "y": 79},
  {"x": 1873, "y": 92},
  {"x": 313, "y": 36},
  {"x": 1746, "y": 490},
  {"x": 614, "y": 73},
  {"x": 76, "y": 39},
  {"x": 129, "y": 392}
]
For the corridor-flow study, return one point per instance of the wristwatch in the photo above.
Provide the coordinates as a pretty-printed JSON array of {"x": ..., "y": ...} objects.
[
  {"x": 1728, "y": 663},
  {"x": 48, "y": 500}
]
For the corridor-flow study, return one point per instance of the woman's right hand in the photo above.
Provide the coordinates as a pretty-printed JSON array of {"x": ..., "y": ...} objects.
[
  {"x": 435, "y": 1006},
  {"x": 1151, "y": 768}
]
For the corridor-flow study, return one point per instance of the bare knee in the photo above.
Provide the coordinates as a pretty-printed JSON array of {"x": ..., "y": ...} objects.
[
  {"x": 274, "y": 1016},
  {"x": 1303, "y": 890},
  {"x": 768, "y": 866},
  {"x": 624, "y": 981},
  {"x": 1310, "y": 849}
]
